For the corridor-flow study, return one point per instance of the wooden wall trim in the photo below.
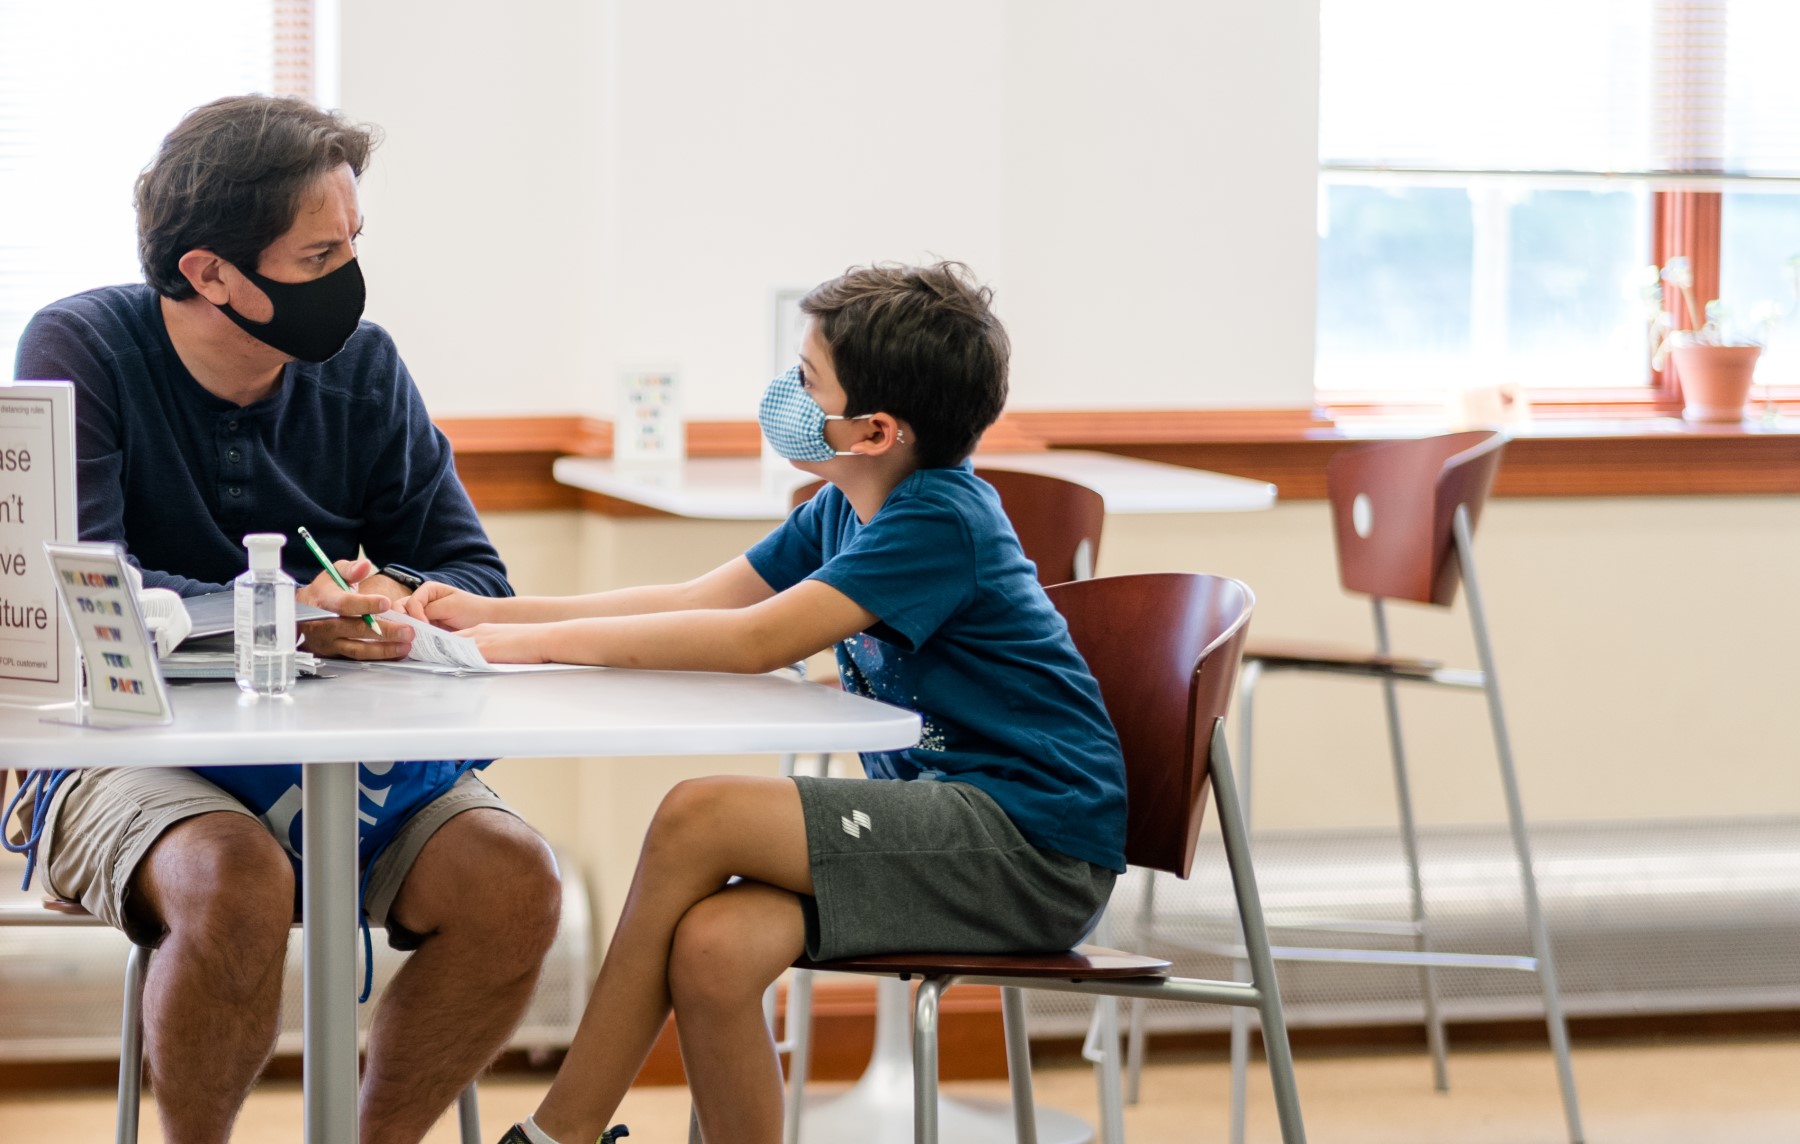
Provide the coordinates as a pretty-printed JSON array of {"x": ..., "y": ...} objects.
[{"x": 506, "y": 462}]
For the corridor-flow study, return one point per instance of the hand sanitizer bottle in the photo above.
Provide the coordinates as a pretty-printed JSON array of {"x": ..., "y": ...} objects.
[{"x": 264, "y": 606}]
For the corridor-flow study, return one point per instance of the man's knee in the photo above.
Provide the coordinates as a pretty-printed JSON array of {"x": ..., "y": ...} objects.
[
  {"x": 217, "y": 872},
  {"x": 485, "y": 869}
]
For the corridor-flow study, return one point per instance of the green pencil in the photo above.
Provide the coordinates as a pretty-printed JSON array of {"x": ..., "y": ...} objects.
[{"x": 331, "y": 569}]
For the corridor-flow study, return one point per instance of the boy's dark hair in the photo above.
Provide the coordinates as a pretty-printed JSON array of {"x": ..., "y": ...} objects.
[
  {"x": 921, "y": 343},
  {"x": 229, "y": 179}
]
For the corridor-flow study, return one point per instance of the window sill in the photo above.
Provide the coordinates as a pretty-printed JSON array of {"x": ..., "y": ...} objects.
[{"x": 505, "y": 462}]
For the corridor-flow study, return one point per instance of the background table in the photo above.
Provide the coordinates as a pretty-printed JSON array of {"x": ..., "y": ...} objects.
[
  {"x": 382, "y": 714},
  {"x": 744, "y": 488}
]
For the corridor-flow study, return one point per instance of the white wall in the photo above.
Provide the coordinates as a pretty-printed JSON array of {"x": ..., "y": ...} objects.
[{"x": 572, "y": 188}]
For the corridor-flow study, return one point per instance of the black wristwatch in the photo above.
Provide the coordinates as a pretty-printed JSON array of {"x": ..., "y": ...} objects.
[{"x": 402, "y": 575}]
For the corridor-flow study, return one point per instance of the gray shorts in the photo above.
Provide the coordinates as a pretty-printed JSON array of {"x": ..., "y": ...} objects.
[
  {"x": 103, "y": 821},
  {"x": 935, "y": 867}
]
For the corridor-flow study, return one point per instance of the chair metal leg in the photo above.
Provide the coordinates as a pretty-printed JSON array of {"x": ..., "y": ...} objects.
[
  {"x": 1248, "y": 678},
  {"x": 1409, "y": 838},
  {"x": 1106, "y": 1071},
  {"x": 1018, "y": 1065},
  {"x": 925, "y": 1058},
  {"x": 131, "y": 1045},
  {"x": 1234, "y": 830},
  {"x": 1134, "y": 1048},
  {"x": 1240, "y": 1059},
  {"x": 797, "y": 1033},
  {"x": 468, "y": 1115},
  {"x": 1515, "y": 812},
  {"x": 1146, "y": 935}
]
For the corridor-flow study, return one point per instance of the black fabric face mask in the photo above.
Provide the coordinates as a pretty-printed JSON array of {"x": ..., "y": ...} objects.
[{"x": 312, "y": 320}]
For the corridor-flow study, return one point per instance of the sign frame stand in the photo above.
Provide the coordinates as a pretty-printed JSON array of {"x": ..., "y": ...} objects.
[{"x": 37, "y": 506}]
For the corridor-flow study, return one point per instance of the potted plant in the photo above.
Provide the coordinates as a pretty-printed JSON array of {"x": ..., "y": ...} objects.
[{"x": 1713, "y": 361}]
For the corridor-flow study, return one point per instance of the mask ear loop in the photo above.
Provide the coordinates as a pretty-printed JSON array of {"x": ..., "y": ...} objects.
[{"x": 841, "y": 417}]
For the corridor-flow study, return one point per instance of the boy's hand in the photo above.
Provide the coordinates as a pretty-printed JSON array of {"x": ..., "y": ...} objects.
[
  {"x": 447, "y": 607},
  {"x": 510, "y": 643}
]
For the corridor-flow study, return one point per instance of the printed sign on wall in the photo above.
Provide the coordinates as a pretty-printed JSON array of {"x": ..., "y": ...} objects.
[
  {"x": 649, "y": 425},
  {"x": 125, "y": 685},
  {"x": 37, "y": 505}
]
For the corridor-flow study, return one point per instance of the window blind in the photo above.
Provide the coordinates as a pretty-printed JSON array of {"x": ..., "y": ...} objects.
[
  {"x": 88, "y": 88},
  {"x": 1634, "y": 88}
]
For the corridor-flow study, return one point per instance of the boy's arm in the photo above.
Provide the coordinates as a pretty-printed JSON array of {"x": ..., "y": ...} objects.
[
  {"x": 781, "y": 629},
  {"x": 734, "y": 584}
]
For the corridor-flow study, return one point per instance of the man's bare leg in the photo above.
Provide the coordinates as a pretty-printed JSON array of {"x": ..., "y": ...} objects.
[
  {"x": 485, "y": 890},
  {"x": 224, "y": 889},
  {"x": 728, "y": 949},
  {"x": 705, "y": 831}
]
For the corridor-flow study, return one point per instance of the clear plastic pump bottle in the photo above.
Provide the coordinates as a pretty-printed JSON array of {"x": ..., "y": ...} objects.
[{"x": 264, "y": 612}]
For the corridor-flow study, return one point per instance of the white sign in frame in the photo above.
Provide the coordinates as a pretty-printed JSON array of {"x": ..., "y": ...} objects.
[
  {"x": 38, "y": 664},
  {"x": 125, "y": 683}
]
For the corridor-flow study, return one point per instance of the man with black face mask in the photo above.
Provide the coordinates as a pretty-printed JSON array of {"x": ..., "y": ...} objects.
[{"x": 238, "y": 391}]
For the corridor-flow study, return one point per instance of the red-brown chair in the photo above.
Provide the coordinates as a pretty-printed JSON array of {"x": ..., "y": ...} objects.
[
  {"x": 1058, "y": 521},
  {"x": 1165, "y": 649},
  {"x": 1403, "y": 516}
]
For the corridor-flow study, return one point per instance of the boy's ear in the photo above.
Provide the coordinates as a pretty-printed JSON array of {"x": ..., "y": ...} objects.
[{"x": 881, "y": 432}]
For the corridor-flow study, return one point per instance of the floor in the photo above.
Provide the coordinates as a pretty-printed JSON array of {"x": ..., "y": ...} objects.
[{"x": 1728, "y": 1092}]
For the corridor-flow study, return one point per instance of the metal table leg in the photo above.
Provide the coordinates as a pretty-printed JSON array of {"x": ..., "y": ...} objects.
[
  {"x": 328, "y": 902},
  {"x": 879, "y": 1108}
]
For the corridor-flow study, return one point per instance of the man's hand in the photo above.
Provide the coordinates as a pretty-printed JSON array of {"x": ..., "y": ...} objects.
[
  {"x": 510, "y": 643},
  {"x": 447, "y": 607},
  {"x": 350, "y": 637}
]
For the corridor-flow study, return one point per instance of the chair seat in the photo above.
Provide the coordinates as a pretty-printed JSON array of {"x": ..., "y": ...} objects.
[
  {"x": 1325, "y": 657},
  {"x": 1083, "y": 963}
]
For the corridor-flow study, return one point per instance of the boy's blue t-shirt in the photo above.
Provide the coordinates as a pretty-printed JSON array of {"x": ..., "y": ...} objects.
[{"x": 966, "y": 638}]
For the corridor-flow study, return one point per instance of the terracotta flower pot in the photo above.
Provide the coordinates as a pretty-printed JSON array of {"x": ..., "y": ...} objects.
[{"x": 1715, "y": 380}]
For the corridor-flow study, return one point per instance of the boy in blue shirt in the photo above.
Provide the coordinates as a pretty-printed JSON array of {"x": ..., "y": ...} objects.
[{"x": 1006, "y": 829}]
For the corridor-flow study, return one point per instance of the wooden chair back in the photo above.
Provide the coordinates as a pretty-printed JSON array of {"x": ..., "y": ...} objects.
[
  {"x": 1165, "y": 648},
  {"x": 1392, "y": 508},
  {"x": 1053, "y": 518}
]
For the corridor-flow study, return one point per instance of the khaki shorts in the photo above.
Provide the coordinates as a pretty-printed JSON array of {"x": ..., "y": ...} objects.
[{"x": 103, "y": 821}]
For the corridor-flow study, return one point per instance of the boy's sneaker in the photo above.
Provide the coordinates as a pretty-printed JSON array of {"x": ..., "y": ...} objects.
[{"x": 516, "y": 1135}]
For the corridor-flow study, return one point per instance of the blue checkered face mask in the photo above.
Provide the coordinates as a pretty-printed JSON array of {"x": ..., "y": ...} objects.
[{"x": 794, "y": 423}]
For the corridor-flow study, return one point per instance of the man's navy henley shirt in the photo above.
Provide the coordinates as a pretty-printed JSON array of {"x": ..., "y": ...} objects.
[{"x": 179, "y": 475}]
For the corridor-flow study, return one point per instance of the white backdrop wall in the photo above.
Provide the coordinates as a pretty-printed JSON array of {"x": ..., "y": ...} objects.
[{"x": 572, "y": 188}]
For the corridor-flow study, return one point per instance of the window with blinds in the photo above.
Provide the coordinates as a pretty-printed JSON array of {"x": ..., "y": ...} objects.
[
  {"x": 88, "y": 88},
  {"x": 1489, "y": 173}
]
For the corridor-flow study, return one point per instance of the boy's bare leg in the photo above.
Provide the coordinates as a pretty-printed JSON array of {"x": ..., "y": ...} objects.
[
  {"x": 705, "y": 831},
  {"x": 728, "y": 948}
]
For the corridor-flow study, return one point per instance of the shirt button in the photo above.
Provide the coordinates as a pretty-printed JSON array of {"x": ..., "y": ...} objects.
[
  {"x": 235, "y": 491},
  {"x": 231, "y": 426},
  {"x": 233, "y": 455}
]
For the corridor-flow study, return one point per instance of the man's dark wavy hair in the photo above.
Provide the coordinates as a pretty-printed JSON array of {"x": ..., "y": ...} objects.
[
  {"x": 921, "y": 343},
  {"x": 229, "y": 179}
]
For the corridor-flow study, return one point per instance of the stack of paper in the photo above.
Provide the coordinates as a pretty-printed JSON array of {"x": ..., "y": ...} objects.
[{"x": 221, "y": 664}]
